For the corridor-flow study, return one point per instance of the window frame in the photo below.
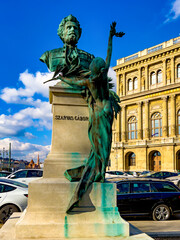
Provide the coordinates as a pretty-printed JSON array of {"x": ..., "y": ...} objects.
[
  {"x": 130, "y": 81},
  {"x": 132, "y": 160},
  {"x": 132, "y": 121},
  {"x": 159, "y": 72},
  {"x": 154, "y": 120},
  {"x": 153, "y": 74}
]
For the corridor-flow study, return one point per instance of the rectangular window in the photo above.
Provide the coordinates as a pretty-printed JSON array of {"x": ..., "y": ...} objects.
[{"x": 140, "y": 187}]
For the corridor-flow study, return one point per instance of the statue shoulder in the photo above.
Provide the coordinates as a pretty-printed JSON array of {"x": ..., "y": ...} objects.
[{"x": 51, "y": 53}]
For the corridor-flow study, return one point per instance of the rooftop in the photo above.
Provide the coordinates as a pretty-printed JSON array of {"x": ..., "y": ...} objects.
[{"x": 149, "y": 50}]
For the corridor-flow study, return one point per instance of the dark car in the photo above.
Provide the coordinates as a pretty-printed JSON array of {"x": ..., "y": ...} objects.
[
  {"x": 161, "y": 175},
  {"x": 148, "y": 197}
]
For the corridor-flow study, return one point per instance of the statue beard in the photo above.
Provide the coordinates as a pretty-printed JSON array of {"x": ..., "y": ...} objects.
[{"x": 71, "y": 40}]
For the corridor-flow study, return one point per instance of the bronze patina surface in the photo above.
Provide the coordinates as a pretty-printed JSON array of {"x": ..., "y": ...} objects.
[{"x": 102, "y": 103}]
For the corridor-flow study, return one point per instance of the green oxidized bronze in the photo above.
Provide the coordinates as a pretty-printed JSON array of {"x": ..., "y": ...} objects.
[
  {"x": 69, "y": 60},
  {"x": 102, "y": 103}
]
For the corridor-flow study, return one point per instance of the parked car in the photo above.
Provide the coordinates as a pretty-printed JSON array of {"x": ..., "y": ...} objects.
[
  {"x": 161, "y": 175},
  {"x": 133, "y": 173},
  {"x": 4, "y": 173},
  {"x": 148, "y": 197},
  {"x": 13, "y": 198},
  {"x": 145, "y": 173},
  {"x": 175, "y": 179},
  {"x": 26, "y": 175},
  {"x": 114, "y": 174}
]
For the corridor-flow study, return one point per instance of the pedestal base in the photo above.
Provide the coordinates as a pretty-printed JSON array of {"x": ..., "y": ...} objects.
[{"x": 46, "y": 217}]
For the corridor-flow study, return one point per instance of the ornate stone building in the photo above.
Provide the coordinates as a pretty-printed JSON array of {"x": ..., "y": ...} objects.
[{"x": 146, "y": 135}]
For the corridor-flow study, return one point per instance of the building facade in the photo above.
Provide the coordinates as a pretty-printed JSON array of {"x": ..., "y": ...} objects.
[{"x": 146, "y": 135}]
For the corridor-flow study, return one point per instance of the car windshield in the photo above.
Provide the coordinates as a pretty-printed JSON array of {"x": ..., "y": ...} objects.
[{"x": 18, "y": 184}]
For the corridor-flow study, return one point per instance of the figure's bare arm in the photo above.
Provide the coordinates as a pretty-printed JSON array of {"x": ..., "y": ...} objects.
[
  {"x": 75, "y": 81},
  {"x": 111, "y": 34}
]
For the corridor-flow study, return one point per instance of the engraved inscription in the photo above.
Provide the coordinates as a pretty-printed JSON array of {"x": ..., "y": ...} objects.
[{"x": 71, "y": 118}]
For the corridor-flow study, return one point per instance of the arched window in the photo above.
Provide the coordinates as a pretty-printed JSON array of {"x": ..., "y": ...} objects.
[
  {"x": 178, "y": 71},
  {"x": 132, "y": 128},
  {"x": 159, "y": 76},
  {"x": 130, "y": 85},
  {"x": 153, "y": 78},
  {"x": 156, "y": 125},
  {"x": 135, "y": 83},
  {"x": 132, "y": 159},
  {"x": 178, "y": 122}
]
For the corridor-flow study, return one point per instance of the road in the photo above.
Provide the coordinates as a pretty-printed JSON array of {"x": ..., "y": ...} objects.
[{"x": 158, "y": 230}]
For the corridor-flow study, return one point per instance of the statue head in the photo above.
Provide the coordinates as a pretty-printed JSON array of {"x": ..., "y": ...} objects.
[
  {"x": 97, "y": 66},
  {"x": 69, "y": 30}
]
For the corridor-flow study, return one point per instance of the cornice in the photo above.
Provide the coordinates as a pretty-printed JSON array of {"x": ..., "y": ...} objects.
[
  {"x": 157, "y": 92},
  {"x": 154, "y": 57}
]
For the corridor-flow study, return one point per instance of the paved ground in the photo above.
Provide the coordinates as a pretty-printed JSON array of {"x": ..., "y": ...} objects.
[{"x": 159, "y": 230}]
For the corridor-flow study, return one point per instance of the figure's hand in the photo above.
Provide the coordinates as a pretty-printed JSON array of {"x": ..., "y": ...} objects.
[{"x": 113, "y": 30}]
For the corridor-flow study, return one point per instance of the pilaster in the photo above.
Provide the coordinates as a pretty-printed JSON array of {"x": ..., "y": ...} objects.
[
  {"x": 165, "y": 118},
  {"x": 172, "y": 71},
  {"x": 140, "y": 120},
  {"x": 124, "y": 84},
  {"x": 173, "y": 116},
  {"x": 146, "y": 78},
  {"x": 147, "y": 119},
  {"x": 164, "y": 72},
  {"x": 123, "y": 123}
]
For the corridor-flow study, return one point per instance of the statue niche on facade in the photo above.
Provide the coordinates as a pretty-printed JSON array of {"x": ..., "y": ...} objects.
[{"x": 102, "y": 103}]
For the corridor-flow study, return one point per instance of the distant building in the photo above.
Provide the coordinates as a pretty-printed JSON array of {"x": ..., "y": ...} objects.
[
  {"x": 33, "y": 165},
  {"x": 146, "y": 135}
]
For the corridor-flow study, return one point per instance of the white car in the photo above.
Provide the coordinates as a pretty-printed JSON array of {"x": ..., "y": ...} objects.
[
  {"x": 13, "y": 198},
  {"x": 25, "y": 175},
  {"x": 117, "y": 174},
  {"x": 175, "y": 179}
]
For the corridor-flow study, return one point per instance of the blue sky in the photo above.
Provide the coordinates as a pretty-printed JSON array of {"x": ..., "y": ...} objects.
[{"x": 29, "y": 28}]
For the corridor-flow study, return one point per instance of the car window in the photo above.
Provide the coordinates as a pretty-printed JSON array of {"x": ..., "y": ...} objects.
[
  {"x": 164, "y": 187},
  {"x": 119, "y": 173},
  {"x": 20, "y": 174},
  {"x": 122, "y": 188},
  {"x": 157, "y": 175},
  {"x": 34, "y": 173},
  {"x": 1, "y": 188},
  {"x": 140, "y": 187},
  {"x": 8, "y": 188},
  {"x": 3, "y": 174}
]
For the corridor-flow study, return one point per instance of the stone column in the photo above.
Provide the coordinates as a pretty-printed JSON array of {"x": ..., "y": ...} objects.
[
  {"x": 118, "y": 84},
  {"x": 165, "y": 118},
  {"x": 139, "y": 120},
  {"x": 146, "y": 78},
  {"x": 123, "y": 123},
  {"x": 124, "y": 84},
  {"x": 147, "y": 119},
  {"x": 117, "y": 139},
  {"x": 172, "y": 71},
  {"x": 139, "y": 79},
  {"x": 164, "y": 72},
  {"x": 173, "y": 115}
]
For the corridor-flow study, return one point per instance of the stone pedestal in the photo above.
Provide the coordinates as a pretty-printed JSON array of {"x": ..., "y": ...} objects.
[{"x": 46, "y": 217}]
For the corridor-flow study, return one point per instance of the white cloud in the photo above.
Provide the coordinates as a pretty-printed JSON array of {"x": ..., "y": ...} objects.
[
  {"x": 37, "y": 114},
  {"x": 25, "y": 151},
  {"x": 174, "y": 11},
  {"x": 32, "y": 84},
  {"x": 112, "y": 74}
]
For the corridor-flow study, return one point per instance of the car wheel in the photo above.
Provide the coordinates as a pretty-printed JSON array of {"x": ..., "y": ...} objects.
[
  {"x": 161, "y": 213},
  {"x": 7, "y": 211}
]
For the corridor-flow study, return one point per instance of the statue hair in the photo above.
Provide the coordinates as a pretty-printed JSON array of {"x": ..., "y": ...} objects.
[{"x": 62, "y": 25}]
